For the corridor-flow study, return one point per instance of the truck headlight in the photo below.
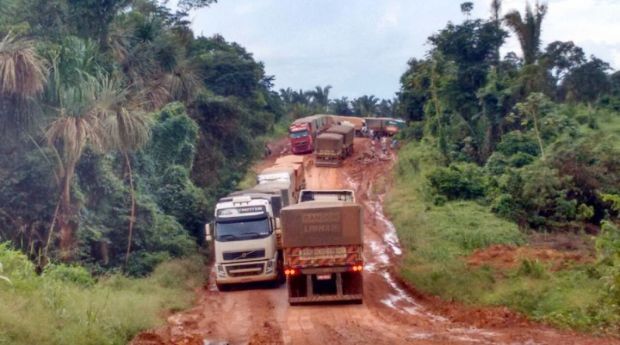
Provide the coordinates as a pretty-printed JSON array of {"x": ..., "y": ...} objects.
[
  {"x": 270, "y": 266},
  {"x": 221, "y": 273}
]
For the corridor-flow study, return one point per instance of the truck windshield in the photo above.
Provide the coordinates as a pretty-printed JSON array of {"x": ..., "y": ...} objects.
[
  {"x": 239, "y": 230},
  {"x": 299, "y": 134}
]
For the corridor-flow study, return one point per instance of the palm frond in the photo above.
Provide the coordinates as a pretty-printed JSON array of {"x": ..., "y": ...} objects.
[{"x": 22, "y": 72}]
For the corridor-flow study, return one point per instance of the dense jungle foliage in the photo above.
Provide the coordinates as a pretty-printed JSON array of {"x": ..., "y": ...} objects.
[
  {"x": 120, "y": 128},
  {"x": 494, "y": 142},
  {"x": 537, "y": 138}
]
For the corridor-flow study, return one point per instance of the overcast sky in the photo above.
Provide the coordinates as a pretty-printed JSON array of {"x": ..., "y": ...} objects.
[{"x": 362, "y": 46}]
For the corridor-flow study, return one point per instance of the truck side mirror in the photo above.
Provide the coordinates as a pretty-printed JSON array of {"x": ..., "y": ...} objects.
[{"x": 208, "y": 233}]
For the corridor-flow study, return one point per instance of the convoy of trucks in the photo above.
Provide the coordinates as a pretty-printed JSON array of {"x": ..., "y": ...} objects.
[{"x": 277, "y": 230}]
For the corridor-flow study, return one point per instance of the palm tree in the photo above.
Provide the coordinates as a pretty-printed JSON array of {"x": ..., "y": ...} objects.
[
  {"x": 365, "y": 105},
  {"x": 126, "y": 130},
  {"x": 340, "y": 106},
  {"x": 320, "y": 97},
  {"x": 79, "y": 124},
  {"x": 22, "y": 77},
  {"x": 496, "y": 10},
  {"x": 528, "y": 30}
]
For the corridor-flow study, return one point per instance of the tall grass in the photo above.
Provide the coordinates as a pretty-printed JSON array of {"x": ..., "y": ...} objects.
[
  {"x": 438, "y": 239},
  {"x": 65, "y": 305}
]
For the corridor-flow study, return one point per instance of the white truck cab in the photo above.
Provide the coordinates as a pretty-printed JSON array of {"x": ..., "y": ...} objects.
[{"x": 245, "y": 236}]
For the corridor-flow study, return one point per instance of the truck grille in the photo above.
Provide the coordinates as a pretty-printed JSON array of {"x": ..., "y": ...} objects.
[
  {"x": 245, "y": 270},
  {"x": 242, "y": 255}
]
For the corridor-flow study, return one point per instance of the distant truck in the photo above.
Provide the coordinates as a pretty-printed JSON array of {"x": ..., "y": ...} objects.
[
  {"x": 333, "y": 146},
  {"x": 385, "y": 125},
  {"x": 353, "y": 121},
  {"x": 246, "y": 238},
  {"x": 322, "y": 241},
  {"x": 303, "y": 132}
]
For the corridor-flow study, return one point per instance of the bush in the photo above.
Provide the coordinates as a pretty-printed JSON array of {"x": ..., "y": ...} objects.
[
  {"x": 415, "y": 131},
  {"x": 458, "y": 181},
  {"x": 517, "y": 141},
  {"x": 71, "y": 274}
]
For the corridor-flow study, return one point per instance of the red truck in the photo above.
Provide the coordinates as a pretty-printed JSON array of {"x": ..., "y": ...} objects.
[{"x": 303, "y": 132}]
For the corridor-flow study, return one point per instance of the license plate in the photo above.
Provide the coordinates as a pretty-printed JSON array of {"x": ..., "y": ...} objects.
[
  {"x": 323, "y": 276},
  {"x": 323, "y": 253}
]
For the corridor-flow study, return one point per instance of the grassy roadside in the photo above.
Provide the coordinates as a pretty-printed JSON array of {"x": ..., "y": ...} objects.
[
  {"x": 65, "y": 305},
  {"x": 438, "y": 239}
]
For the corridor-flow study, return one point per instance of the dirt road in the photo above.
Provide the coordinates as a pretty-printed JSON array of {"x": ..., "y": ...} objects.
[{"x": 390, "y": 314}]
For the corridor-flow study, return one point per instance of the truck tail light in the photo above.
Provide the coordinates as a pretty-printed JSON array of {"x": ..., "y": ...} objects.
[
  {"x": 290, "y": 272},
  {"x": 357, "y": 267}
]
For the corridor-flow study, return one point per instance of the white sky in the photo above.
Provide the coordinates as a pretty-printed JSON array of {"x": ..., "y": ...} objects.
[{"x": 362, "y": 46}]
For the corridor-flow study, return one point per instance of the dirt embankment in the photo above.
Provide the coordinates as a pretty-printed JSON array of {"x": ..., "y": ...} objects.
[{"x": 392, "y": 313}]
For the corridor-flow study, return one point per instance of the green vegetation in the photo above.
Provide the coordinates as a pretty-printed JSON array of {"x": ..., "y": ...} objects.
[
  {"x": 66, "y": 305},
  {"x": 501, "y": 148},
  {"x": 438, "y": 239},
  {"x": 120, "y": 128}
]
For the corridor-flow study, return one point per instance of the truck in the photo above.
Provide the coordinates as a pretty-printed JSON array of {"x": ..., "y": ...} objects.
[
  {"x": 333, "y": 146},
  {"x": 298, "y": 164},
  {"x": 303, "y": 132},
  {"x": 348, "y": 134},
  {"x": 385, "y": 125},
  {"x": 290, "y": 174},
  {"x": 353, "y": 121},
  {"x": 322, "y": 242},
  {"x": 246, "y": 238},
  {"x": 346, "y": 195}
]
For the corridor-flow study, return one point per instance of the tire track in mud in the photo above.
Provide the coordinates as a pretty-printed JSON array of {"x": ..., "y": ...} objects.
[{"x": 391, "y": 314}]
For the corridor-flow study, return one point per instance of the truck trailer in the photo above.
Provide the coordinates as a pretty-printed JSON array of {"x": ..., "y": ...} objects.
[{"x": 322, "y": 243}]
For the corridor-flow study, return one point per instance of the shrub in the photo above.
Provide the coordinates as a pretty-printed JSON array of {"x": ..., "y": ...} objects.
[
  {"x": 458, "y": 181},
  {"x": 415, "y": 131},
  {"x": 517, "y": 141},
  {"x": 72, "y": 274}
]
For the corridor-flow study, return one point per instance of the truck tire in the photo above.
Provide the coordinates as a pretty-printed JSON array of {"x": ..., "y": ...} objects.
[{"x": 223, "y": 287}]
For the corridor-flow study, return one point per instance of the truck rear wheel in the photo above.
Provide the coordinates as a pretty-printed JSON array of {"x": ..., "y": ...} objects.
[{"x": 223, "y": 287}]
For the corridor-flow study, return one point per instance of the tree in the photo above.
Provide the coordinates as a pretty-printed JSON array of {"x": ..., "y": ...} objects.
[
  {"x": 22, "y": 77},
  {"x": 320, "y": 97},
  {"x": 340, "y": 106},
  {"x": 92, "y": 18},
  {"x": 365, "y": 105},
  {"x": 562, "y": 57},
  {"x": 187, "y": 5},
  {"x": 79, "y": 124},
  {"x": 467, "y": 7},
  {"x": 587, "y": 82},
  {"x": 496, "y": 10},
  {"x": 528, "y": 29},
  {"x": 125, "y": 130},
  {"x": 534, "y": 107}
]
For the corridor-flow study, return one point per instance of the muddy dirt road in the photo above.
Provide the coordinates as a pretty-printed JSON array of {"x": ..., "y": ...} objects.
[{"x": 258, "y": 314}]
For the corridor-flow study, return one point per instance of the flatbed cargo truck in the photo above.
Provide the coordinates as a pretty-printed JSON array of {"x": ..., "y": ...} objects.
[{"x": 322, "y": 243}]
